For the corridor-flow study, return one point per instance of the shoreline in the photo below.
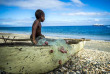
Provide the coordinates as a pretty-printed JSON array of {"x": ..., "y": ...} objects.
[{"x": 54, "y": 36}]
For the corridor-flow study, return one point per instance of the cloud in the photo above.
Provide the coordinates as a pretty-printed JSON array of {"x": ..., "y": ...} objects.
[
  {"x": 35, "y": 4},
  {"x": 87, "y": 13},
  {"x": 17, "y": 22},
  {"x": 41, "y": 4},
  {"x": 96, "y": 20},
  {"x": 66, "y": 22},
  {"x": 78, "y": 2}
]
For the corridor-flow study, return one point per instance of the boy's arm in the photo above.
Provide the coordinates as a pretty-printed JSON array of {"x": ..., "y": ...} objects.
[{"x": 34, "y": 27}]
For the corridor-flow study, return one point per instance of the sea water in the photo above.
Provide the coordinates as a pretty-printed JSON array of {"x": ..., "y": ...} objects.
[{"x": 88, "y": 32}]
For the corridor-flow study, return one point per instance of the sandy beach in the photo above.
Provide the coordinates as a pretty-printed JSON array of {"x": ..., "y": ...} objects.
[{"x": 93, "y": 59}]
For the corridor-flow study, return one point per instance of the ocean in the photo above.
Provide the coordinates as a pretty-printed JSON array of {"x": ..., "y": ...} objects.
[{"x": 88, "y": 32}]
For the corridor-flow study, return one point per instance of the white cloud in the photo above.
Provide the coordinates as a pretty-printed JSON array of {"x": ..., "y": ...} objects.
[
  {"x": 87, "y": 13},
  {"x": 35, "y": 4},
  {"x": 78, "y": 2},
  {"x": 96, "y": 20},
  {"x": 66, "y": 22},
  {"x": 17, "y": 22},
  {"x": 41, "y": 4}
]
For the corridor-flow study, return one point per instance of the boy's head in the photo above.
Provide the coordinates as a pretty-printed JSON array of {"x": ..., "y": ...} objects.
[{"x": 40, "y": 15}]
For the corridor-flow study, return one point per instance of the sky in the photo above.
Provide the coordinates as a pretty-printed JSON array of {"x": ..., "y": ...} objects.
[{"x": 57, "y": 12}]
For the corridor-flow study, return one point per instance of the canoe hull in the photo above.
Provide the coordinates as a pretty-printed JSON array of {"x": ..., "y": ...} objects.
[{"x": 31, "y": 59}]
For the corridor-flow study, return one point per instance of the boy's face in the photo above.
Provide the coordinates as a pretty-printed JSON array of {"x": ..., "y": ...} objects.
[{"x": 42, "y": 18}]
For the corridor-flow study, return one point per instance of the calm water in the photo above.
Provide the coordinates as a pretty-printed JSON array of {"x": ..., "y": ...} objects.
[{"x": 90, "y": 32}]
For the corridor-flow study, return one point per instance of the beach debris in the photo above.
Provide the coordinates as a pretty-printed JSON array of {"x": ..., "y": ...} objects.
[
  {"x": 78, "y": 72},
  {"x": 63, "y": 69},
  {"x": 46, "y": 42},
  {"x": 107, "y": 69},
  {"x": 51, "y": 51}
]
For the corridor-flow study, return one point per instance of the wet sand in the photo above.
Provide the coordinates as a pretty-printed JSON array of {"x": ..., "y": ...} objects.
[{"x": 93, "y": 59}]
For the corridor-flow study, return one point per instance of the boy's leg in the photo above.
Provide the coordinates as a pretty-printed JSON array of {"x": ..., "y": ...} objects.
[{"x": 37, "y": 39}]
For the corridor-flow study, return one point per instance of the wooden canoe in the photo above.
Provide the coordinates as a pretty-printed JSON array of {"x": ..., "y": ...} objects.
[{"x": 33, "y": 59}]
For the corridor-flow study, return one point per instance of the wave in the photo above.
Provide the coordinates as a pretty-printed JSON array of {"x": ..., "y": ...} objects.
[{"x": 108, "y": 26}]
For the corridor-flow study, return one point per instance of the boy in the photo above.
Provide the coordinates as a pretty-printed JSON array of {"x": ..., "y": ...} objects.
[{"x": 36, "y": 28}]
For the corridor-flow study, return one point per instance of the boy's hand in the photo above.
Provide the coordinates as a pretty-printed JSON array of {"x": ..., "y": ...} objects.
[{"x": 35, "y": 42}]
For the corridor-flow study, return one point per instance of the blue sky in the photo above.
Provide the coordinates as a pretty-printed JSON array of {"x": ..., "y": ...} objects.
[{"x": 58, "y": 12}]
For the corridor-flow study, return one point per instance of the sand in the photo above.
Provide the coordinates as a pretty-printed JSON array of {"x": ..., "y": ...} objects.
[
  {"x": 93, "y": 59},
  {"x": 100, "y": 45}
]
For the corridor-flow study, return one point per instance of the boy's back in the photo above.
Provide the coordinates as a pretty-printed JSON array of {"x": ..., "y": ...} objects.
[{"x": 38, "y": 29}]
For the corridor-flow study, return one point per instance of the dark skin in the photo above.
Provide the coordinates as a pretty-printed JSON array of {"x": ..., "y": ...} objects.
[{"x": 36, "y": 28}]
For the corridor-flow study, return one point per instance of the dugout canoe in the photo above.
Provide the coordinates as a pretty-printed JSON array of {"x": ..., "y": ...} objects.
[{"x": 34, "y": 59}]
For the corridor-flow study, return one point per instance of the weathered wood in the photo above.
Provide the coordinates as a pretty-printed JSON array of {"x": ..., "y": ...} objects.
[
  {"x": 33, "y": 60},
  {"x": 16, "y": 39},
  {"x": 3, "y": 38},
  {"x": 30, "y": 39},
  {"x": 7, "y": 37},
  {"x": 13, "y": 38},
  {"x": 79, "y": 39}
]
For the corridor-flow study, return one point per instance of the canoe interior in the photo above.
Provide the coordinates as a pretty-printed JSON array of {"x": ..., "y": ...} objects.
[{"x": 30, "y": 44}]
